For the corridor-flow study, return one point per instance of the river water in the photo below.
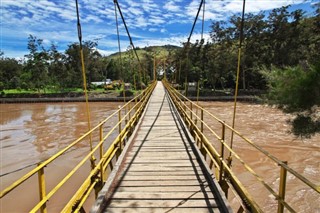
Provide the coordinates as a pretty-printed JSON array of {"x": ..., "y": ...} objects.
[
  {"x": 31, "y": 133},
  {"x": 269, "y": 128}
]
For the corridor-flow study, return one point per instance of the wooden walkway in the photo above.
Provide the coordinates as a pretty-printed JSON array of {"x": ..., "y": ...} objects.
[{"x": 162, "y": 171}]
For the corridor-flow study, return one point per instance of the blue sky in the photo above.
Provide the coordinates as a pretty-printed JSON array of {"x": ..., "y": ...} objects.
[{"x": 150, "y": 22}]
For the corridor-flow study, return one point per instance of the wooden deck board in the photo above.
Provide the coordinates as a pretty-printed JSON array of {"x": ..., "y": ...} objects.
[{"x": 160, "y": 171}]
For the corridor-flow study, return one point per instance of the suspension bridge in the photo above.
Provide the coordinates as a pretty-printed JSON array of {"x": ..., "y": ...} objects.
[
  {"x": 161, "y": 170},
  {"x": 161, "y": 156}
]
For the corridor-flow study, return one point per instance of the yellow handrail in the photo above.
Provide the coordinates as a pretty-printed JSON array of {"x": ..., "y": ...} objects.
[
  {"x": 96, "y": 173},
  {"x": 223, "y": 165}
]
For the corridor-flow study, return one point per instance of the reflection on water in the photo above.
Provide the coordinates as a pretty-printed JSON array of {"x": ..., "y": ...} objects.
[{"x": 33, "y": 132}]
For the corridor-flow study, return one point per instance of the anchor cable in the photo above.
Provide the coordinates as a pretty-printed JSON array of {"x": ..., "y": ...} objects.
[
  {"x": 238, "y": 72},
  {"x": 130, "y": 39},
  {"x": 187, "y": 46},
  {"x": 119, "y": 46},
  {"x": 202, "y": 30},
  {"x": 84, "y": 78}
]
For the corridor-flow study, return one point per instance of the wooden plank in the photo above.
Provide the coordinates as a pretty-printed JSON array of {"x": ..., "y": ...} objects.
[
  {"x": 189, "y": 173},
  {"x": 158, "y": 203},
  {"x": 161, "y": 188},
  {"x": 163, "y": 182},
  {"x": 161, "y": 210},
  {"x": 163, "y": 177},
  {"x": 164, "y": 195},
  {"x": 160, "y": 172}
]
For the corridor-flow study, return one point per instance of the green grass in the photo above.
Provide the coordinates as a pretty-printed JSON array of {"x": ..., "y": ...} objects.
[
  {"x": 18, "y": 91},
  {"x": 47, "y": 91},
  {"x": 51, "y": 91}
]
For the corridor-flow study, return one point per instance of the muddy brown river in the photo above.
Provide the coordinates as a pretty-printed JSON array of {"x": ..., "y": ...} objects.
[{"x": 30, "y": 133}]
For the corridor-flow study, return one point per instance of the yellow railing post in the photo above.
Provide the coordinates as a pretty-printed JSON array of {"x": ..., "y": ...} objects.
[
  {"x": 191, "y": 110},
  {"x": 282, "y": 187},
  {"x": 120, "y": 128},
  {"x": 222, "y": 180},
  {"x": 222, "y": 150},
  {"x": 202, "y": 149},
  {"x": 129, "y": 111},
  {"x": 136, "y": 100},
  {"x": 126, "y": 111},
  {"x": 201, "y": 120},
  {"x": 42, "y": 188},
  {"x": 101, "y": 154},
  {"x": 119, "y": 119}
]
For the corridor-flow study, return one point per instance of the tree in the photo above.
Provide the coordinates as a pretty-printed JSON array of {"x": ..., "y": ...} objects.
[
  {"x": 296, "y": 90},
  {"x": 10, "y": 71},
  {"x": 36, "y": 69},
  {"x": 94, "y": 65},
  {"x": 113, "y": 69},
  {"x": 57, "y": 68}
]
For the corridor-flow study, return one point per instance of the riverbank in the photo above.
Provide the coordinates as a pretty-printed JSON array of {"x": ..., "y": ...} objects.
[
  {"x": 116, "y": 96},
  {"x": 110, "y": 96},
  {"x": 116, "y": 99},
  {"x": 65, "y": 99}
]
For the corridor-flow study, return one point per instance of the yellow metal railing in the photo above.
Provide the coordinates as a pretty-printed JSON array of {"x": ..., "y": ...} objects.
[
  {"x": 222, "y": 160},
  {"x": 128, "y": 116}
]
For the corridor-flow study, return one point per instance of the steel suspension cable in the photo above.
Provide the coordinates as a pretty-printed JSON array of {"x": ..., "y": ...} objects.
[
  {"x": 130, "y": 39},
  {"x": 195, "y": 20},
  {"x": 202, "y": 30},
  {"x": 238, "y": 72},
  {"x": 119, "y": 46},
  {"x": 188, "y": 42},
  {"x": 203, "y": 11},
  {"x": 84, "y": 79}
]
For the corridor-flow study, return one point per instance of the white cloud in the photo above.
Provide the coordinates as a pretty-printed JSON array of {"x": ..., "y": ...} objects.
[
  {"x": 149, "y": 6},
  {"x": 46, "y": 42},
  {"x": 141, "y": 22},
  {"x": 132, "y": 3},
  {"x": 163, "y": 30},
  {"x": 17, "y": 54},
  {"x": 67, "y": 15},
  {"x": 135, "y": 11},
  {"x": 192, "y": 9},
  {"x": 176, "y": 40},
  {"x": 256, "y": 6},
  {"x": 156, "y": 20},
  {"x": 171, "y": 6},
  {"x": 93, "y": 18},
  {"x": 153, "y": 29},
  {"x": 55, "y": 20},
  {"x": 213, "y": 16},
  {"x": 220, "y": 10},
  {"x": 105, "y": 52}
]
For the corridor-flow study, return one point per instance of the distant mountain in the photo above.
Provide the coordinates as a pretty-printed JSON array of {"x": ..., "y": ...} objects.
[{"x": 158, "y": 51}]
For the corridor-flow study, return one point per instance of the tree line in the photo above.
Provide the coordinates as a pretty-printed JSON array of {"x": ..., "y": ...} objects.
[
  {"x": 48, "y": 68},
  {"x": 279, "y": 39}
]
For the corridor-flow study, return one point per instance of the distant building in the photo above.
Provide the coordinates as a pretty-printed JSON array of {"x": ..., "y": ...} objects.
[
  {"x": 99, "y": 83},
  {"x": 192, "y": 86}
]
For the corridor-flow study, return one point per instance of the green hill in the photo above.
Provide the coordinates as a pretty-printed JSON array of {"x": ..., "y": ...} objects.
[{"x": 157, "y": 51}]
